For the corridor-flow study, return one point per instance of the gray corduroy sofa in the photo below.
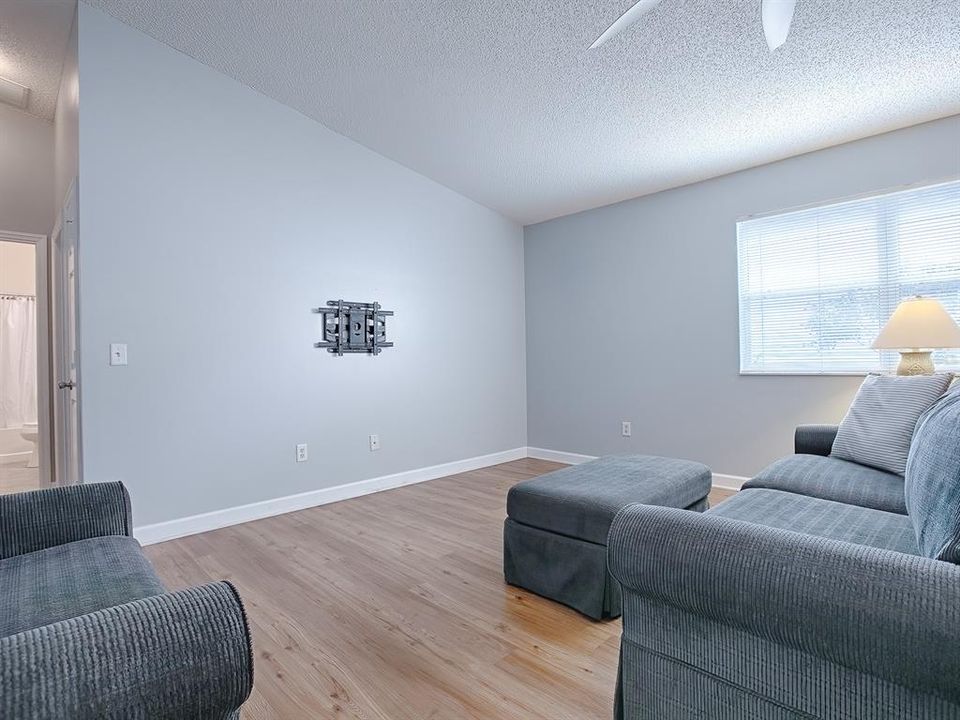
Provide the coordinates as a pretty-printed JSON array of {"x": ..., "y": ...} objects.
[
  {"x": 805, "y": 595},
  {"x": 88, "y": 631}
]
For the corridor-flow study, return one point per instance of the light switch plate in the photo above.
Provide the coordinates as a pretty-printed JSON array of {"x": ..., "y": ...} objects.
[{"x": 118, "y": 353}]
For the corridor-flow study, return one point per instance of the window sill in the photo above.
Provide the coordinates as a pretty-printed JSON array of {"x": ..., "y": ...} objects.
[
  {"x": 809, "y": 373},
  {"x": 864, "y": 373}
]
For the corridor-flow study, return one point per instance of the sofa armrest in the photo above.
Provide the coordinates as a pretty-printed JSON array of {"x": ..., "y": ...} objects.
[
  {"x": 42, "y": 519},
  {"x": 814, "y": 439},
  {"x": 884, "y": 613},
  {"x": 180, "y": 655}
]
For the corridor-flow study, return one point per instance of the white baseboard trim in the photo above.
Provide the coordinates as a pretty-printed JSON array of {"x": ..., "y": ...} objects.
[
  {"x": 728, "y": 482},
  {"x": 558, "y": 456},
  {"x": 194, "y": 524},
  {"x": 172, "y": 529}
]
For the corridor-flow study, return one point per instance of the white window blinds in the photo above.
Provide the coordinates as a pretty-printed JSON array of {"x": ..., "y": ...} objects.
[{"x": 816, "y": 285}]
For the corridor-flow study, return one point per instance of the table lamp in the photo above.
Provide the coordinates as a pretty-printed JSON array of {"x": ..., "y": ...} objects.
[{"x": 918, "y": 326}]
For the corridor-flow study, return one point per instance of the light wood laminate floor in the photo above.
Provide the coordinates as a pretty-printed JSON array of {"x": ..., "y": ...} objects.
[{"x": 392, "y": 606}]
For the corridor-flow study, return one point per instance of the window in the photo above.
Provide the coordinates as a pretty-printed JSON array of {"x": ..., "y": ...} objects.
[{"x": 816, "y": 285}]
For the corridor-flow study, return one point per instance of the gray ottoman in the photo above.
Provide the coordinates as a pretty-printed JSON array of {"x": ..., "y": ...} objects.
[{"x": 555, "y": 534}]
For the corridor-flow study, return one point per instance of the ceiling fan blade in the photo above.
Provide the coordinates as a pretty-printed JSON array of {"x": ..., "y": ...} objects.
[
  {"x": 777, "y": 16},
  {"x": 632, "y": 14}
]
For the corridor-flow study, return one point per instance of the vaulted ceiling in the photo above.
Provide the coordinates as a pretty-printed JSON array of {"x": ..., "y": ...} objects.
[{"x": 503, "y": 102}]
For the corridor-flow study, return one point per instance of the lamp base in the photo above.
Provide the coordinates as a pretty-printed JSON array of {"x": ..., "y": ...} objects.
[{"x": 915, "y": 362}]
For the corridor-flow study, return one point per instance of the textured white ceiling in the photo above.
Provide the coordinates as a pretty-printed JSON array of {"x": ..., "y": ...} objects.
[
  {"x": 33, "y": 40},
  {"x": 503, "y": 102}
]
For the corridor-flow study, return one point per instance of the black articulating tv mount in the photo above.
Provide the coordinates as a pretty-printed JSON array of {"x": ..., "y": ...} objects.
[{"x": 352, "y": 327}]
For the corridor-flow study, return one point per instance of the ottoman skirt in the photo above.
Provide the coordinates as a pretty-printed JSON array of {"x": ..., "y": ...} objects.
[{"x": 565, "y": 569}]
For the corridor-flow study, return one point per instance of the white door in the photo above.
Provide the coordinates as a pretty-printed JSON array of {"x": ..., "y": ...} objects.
[{"x": 67, "y": 351}]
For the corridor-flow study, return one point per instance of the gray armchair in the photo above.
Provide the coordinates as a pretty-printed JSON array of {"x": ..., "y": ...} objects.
[{"x": 88, "y": 631}]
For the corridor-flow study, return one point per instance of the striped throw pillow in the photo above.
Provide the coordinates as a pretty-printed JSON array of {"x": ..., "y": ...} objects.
[{"x": 879, "y": 425}]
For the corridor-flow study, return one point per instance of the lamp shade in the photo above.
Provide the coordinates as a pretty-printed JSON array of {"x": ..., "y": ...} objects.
[{"x": 919, "y": 323}]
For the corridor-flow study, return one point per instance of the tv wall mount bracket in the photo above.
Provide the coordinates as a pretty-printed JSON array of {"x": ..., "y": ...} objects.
[{"x": 353, "y": 327}]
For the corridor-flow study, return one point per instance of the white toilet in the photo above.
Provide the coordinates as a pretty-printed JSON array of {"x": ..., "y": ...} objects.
[{"x": 31, "y": 433}]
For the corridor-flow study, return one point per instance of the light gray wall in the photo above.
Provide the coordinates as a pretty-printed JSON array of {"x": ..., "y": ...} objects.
[
  {"x": 66, "y": 123},
  {"x": 212, "y": 220},
  {"x": 26, "y": 172},
  {"x": 632, "y": 310}
]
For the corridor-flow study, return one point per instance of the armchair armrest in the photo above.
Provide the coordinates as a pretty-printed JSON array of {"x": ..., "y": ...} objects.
[
  {"x": 814, "y": 439},
  {"x": 42, "y": 519},
  {"x": 180, "y": 655},
  {"x": 884, "y": 613}
]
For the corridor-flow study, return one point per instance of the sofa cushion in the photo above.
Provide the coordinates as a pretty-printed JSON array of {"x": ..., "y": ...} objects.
[
  {"x": 832, "y": 479},
  {"x": 821, "y": 518},
  {"x": 932, "y": 481},
  {"x": 69, "y": 580},
  {"x": 879, "y": 425},
  {"x": 580, "y": 501}
]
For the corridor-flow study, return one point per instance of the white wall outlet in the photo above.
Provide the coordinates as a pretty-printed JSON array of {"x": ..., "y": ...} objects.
[
  {"x": 374, "y": 443},
  {"x": 626, "y": 428},
  {"x": 302, "y": 452},
  {"x": 118, "y": 353}
]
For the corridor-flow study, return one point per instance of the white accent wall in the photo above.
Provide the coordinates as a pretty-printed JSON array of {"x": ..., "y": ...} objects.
[
  {"x": 212, "y": 220},
  {"x": 66, "y": 131},
  {"x": 26, "y": 172}
]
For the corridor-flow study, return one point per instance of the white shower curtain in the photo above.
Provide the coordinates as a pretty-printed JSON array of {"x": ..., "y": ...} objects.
[{"x": 18, "y": 361}]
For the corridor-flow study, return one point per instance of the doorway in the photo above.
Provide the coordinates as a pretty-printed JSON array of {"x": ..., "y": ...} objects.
[
  {"x": 24, "y": 364},
  {"x": 67, "y": 462}
]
